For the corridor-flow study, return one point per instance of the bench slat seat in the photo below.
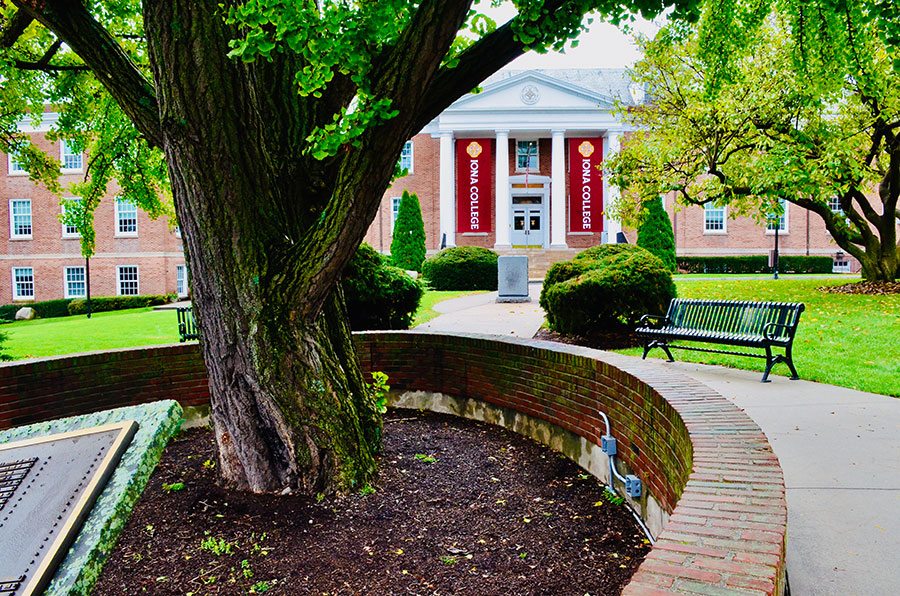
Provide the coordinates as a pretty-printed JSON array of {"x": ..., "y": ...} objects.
[
  {"x": 745, "y": 324},
  {"x": 187, "y": 328}
]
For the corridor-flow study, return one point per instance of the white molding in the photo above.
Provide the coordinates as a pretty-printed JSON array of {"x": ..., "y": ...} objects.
[
  {"x": 12, "y": 279},
  {"x": 66, "y": 293},
  {"x": 116, "y": 232},
  {"x": 12, "y": 234},
  {"x": 137, "y": 271}
]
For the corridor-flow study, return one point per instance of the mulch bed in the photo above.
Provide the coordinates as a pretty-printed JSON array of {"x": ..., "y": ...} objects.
[
  {"x": 458, "y": 508},
  {"x": 872, "y": 288},
  {"x": 611, "y": 340}
]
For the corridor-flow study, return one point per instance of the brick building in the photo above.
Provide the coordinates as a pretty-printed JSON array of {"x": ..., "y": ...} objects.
[
  {"x": 512, "y": 168},
  {"x": 538, "y": 135},
  {"x": 134, "y": 254}
]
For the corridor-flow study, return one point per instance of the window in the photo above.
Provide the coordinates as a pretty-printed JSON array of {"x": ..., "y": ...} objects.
[
  {"x": 406, "y": 157},
  {"x": 14, "y": 166},
  {"x": 126, "y": 218},
  {"x": 23, "y": 283},
  {"x": 127, "y": 280},
  {"x": 177, "y": 231},
  {"x": 395, "y": 210},
  {"x": 527, "y": 156},
  {"x": 841, "y": 266},
  {"x": 181, "y": 280},
  {"x": 20, "y": 218},
  {"x": 70, "y": 204},
  {"x": 834, "y": 203},
  {"x": 782, "y": 219},
  {"x": 71, "y": 161},
  {"x": 713, "y": 219},
  {"x": 75, "y": 282}
]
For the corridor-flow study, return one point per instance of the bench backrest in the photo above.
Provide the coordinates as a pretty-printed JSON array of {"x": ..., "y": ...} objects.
[
  {"x": 736, "y": 317},
  {"x": 186, "y": 326}
]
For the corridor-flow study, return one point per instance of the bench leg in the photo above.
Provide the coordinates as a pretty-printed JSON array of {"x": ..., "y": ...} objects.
[
  {"x": 789, "y": 360},
  {"x": 647, "y": 348},
  {"x": 668, "y": 353},
  {"x": 770, "y": 362}
]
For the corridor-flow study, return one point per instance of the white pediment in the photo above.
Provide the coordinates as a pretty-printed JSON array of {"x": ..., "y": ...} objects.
[{"x": 532, "y": 91}]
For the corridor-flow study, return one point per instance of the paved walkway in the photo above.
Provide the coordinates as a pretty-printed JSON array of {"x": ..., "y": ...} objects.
[{"x": 839, "y": 448}]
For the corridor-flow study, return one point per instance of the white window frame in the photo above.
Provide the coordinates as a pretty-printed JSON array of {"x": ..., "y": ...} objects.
[
  {"x": 177, "y": 231},
  {"x": 13, "y": 235},
  {"x": 62, "y": 211},
  {"x": 63, "y": 153},
  {"x": 770, "y": 231},
  {"x": 834, "y": 203},
  {"x": 406, "y": 157},
  {"x": 395, "y": 211},
  {"x": 707, "y": 208},
  {"x": 14, "y": 168},
  {"x": 137, "y": 280},
  {"x": 15, "y": 285},
  {"x": 183, "y": 279},
  {"x": 841, "y": 266},
  {"x": 66, "y": 281},
  {"x": 118, "y": 220},
  {"x": 537, "y": 156}
]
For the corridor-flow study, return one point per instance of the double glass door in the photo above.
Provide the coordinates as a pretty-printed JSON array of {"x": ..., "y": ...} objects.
[{"x": 527, "y": 226}]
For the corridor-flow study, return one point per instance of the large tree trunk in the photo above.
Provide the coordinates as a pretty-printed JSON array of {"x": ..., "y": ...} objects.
[{"x": 289, "y": 406}]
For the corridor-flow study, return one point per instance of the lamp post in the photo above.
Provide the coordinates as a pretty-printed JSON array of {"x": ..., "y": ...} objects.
[
  {"x": 87, "y": 282},
  {"x": 775, "y": 221}
]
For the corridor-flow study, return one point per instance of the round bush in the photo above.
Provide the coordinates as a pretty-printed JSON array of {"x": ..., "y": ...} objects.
[
  {"x": 462, "y": 268},
  {"x": 605, "y": 288},
  {"x": 379, "y": 295}
]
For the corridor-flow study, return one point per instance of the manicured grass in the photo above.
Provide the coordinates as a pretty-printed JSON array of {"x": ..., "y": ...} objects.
[
  {"x": 126, "y": 329},
  {"x": 103, "y": 331},
  {"x": 845, "y": 340},
  {"x": 426, "y": 310}
]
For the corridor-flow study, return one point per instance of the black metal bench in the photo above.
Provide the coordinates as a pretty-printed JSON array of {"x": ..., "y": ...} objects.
[
  {"x": 763, "y": 325},
  {"x": 186, "y": 326}
]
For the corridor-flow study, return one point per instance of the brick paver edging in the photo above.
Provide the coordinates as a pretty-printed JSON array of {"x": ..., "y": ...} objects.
[{"x": 703, "y": 460}]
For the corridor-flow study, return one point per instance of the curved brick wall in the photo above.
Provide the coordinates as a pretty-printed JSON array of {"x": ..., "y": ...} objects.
[{"x": 704, "y": 463}]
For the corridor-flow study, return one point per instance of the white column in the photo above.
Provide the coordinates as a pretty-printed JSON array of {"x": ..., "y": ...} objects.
[
  {"x": 448, "y": 191},
  {"x": 558, "y": 190},
  {"x": 502, "y": 202},
  {"x": 611, "y": 225}
]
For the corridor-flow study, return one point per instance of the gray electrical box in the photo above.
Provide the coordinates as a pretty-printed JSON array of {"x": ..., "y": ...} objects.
[{"x": 512, "y": 279}]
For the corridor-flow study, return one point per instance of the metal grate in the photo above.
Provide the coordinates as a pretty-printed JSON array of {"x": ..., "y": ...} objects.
[
  {"x": 9, "y": 585},
  {"x": 11, "y": 476}
]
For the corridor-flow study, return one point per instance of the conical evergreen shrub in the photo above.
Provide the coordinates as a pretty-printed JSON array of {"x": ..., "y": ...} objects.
[
  {"x": 656, "y": 235},
  {"x": 408, "y": 245}
]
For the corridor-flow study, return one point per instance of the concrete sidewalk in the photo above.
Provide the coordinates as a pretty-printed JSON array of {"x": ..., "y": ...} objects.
[{"x": 839, "y": 449}]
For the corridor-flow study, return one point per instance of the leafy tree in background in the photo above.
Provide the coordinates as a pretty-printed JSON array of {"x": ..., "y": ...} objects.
[
  {"x": 776, "y": 101},
  {"x": 655, "y": 233},
  {"x": 408, "y": 244},
  {"x": 279, "y": 124}
]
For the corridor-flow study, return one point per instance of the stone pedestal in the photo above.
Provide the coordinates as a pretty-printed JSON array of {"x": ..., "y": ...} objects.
[{"x": 512, "y": 279}]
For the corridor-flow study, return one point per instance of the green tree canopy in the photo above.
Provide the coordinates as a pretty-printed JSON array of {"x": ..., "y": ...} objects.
[
  {"x": 758, "y": 105},
  {"x": 408, "y": 244}
]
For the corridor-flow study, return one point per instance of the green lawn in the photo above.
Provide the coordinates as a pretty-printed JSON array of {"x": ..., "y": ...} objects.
[
  {"x": 103, "y": 331},
  {"x": 846, "y": 340},
  {"x": 125, "y": 329}
]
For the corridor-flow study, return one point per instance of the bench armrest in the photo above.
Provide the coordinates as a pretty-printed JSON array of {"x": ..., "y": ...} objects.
[
  {"x": 767, "y": 330},
  {"x": 645, "y": 320}
]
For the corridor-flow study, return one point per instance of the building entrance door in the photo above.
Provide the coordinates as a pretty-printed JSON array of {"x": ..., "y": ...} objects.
[{"x": 527, "y": 222}]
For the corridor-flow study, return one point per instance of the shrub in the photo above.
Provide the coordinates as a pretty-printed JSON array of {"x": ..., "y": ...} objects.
[
  {"x": 108, "y": 303},
  {"x": 408, "y": 245},
  {"x": 755, "y": 264},
  {"x": 804, "y": 264},
  {"x": 42, "y": 310},
  {"x": 379, "y": 295},
  {"x": 604, "y": 288},
  {"x": 655, "y": 233},
  {"x": 462, "y": 268}
]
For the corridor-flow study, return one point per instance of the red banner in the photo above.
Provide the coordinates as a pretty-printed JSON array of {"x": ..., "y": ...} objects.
[
  {"x": 473, "y": 185},
  {"x": 585, "y": 185}
]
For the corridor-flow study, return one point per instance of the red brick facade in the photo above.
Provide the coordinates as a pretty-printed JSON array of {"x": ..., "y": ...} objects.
[{"x": 154, "y": 249}]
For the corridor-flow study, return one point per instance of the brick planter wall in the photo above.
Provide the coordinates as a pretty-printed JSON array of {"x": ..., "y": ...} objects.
[{"x": 702, "y": 461}]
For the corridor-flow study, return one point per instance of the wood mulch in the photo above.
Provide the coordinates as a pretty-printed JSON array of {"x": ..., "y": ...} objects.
[
  {"x": 459, "y": 507},
  {"x": 872, "y": 288},
  {"x": 609, "y": 340}
]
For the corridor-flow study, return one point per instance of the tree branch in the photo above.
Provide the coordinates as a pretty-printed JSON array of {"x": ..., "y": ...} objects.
[
  {"x": 74, "y": 25},
  {"x": 14, "y": 28},
  {"x": 50, "y": 68}
]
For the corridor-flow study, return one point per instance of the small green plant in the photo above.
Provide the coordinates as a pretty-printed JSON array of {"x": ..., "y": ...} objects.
[
  {"x": 428, "y": 459},
  {"x": 217, "y": 546},
  {"x": 611, "y": 497},
  {"x": 245, "y": 569},
  {"x": 523, "y": 555},
  {"x": 446, "y": 560},
  {"x": 174, "y": 487},
  {"x": 379, "y": 389},
  {"x": 209, "y": 464},
  {"x": 367, "y": 490},
  {"x": 259, "y": 587}
]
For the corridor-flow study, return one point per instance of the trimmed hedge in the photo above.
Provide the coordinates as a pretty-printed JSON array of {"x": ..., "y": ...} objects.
[
  {"x": 108, "y": 303},
  {"x": 755, "y": 264},
  {"x": 606, "y": 287},
  {"x": 42, "y": 310},
  {"x": 462, "y": 268},
  {"x": 379, "y": 295}
]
